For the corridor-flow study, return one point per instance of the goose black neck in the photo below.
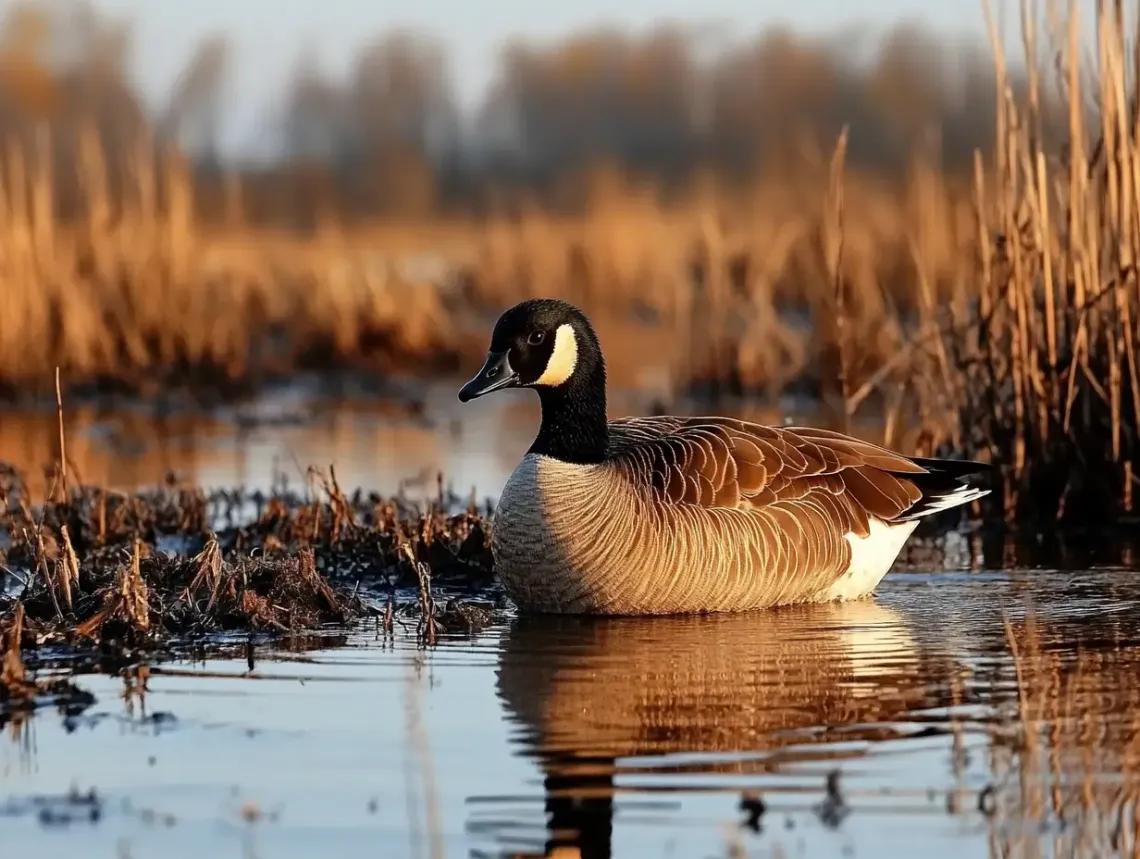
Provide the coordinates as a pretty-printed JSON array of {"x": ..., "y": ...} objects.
[{"x": 574, "y": 427}]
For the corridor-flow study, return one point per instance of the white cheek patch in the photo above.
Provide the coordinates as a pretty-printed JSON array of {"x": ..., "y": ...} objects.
[{"x": 563, "y": 359}]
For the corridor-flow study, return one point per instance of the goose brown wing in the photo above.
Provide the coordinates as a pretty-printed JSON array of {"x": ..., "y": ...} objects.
[{"x": 715, "y": 462}]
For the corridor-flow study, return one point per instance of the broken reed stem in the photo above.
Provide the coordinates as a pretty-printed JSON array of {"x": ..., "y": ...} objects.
[
  {"x": 62, "y": 440},
  {"x": 427, "y": 624},
  {"x": 134, "y": 592},
  {"x": 341, "y": 512},
  {"x": 833, "y": 242},
  {"x": 67, "y": 570},
  {"x": 208, "y": 564},
  {"x": 13, "y": 677},
  {"x": 426, "y": 627},
  {"x": 45, "y": 570}
]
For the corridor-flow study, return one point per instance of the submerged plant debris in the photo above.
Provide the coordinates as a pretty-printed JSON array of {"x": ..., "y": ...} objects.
[
  {"x": 130, "y": 572},
  {"x": 21, "y": 691}
]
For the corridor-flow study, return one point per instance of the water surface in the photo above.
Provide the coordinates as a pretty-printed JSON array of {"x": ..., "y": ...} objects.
[{"x": 972, "y": 712}]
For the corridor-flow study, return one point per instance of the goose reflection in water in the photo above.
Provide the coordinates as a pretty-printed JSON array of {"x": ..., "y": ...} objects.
[{"x": 674, "y": 698}]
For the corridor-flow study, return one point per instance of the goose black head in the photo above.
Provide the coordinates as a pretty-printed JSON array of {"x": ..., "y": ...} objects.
[{"x": 541, "y": 343}]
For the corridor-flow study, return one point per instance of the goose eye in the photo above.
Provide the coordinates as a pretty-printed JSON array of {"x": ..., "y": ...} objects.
[{"x": 535, "y": 337}]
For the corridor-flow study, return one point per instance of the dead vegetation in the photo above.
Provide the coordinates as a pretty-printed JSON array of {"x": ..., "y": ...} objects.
[
  {"x": 133, "y": 268},
  {"x": 92, "y": 568},
  {"x": 1046, "y": 379},
  {"x": 146, "y": 299}
]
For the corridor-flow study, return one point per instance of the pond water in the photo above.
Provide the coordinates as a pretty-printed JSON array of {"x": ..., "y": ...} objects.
[
  {"x": 380, "y": 442},
  {"x": 977, "y": 713}
]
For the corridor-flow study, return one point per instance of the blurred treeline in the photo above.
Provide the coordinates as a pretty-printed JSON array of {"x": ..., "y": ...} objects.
[{"x": 388, "y": 138}]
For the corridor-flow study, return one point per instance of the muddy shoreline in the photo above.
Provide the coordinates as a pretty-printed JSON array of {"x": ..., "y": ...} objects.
[{"x": 106, "y": 580}]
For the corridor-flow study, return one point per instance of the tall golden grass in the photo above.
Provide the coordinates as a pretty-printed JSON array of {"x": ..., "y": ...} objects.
[
  {"x": 136, "y": 293},
  {"x": 1047, "y": 379},
  {"x": 998, "y": 311},
  {"x": 141, "y": 291}
]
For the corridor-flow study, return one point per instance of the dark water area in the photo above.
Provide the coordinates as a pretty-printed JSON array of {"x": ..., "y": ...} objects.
[{"x": 985, "y": 703}]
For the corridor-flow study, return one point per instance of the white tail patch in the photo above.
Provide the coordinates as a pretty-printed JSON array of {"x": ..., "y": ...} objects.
[
  {"x": 873, "y": 556},
  {"x": 878, "y": 643},
  {"x": 563, "y": 359},
  {"x": 871, "y": 559}
]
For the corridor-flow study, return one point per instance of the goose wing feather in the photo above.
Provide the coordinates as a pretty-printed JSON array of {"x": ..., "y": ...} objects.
[{"x": 715, "y": 462}]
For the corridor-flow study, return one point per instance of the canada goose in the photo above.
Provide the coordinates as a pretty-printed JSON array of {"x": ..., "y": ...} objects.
[{"x": 672, "y": 515}]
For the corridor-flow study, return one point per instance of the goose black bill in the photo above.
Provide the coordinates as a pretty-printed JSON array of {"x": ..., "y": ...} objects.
[{"x": 495, "y": 375}]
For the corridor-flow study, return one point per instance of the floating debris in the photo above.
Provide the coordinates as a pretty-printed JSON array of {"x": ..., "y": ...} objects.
[
  {"x": 754, "y": 807},
  {"x": 73, "y": 807},
  {"x": 834, "y": 808},
  {"x": 22, "y": 692}
]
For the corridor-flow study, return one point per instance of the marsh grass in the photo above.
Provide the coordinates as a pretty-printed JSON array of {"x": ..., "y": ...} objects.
[
  {"x": 1047, "y": 378},
  {"x": 132, "y": 292}
]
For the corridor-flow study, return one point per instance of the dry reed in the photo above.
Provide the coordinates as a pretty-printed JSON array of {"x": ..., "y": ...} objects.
[
  {"x": 1047, "y": 378},
  {"x": 136, "y": 294}
]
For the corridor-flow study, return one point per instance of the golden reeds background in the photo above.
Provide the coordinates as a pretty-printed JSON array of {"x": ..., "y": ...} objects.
[
  {"x": 134, "y": 262},
  {"x": 956, "y": 252}
]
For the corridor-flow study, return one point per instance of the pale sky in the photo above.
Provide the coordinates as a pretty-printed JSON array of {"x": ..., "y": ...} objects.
[{"x": 268, "y": 35}]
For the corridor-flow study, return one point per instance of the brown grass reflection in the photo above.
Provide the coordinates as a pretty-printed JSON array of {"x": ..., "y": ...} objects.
[
  {"x": 1068, "y": 760},
  {"x": 118, "y": 451}
]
